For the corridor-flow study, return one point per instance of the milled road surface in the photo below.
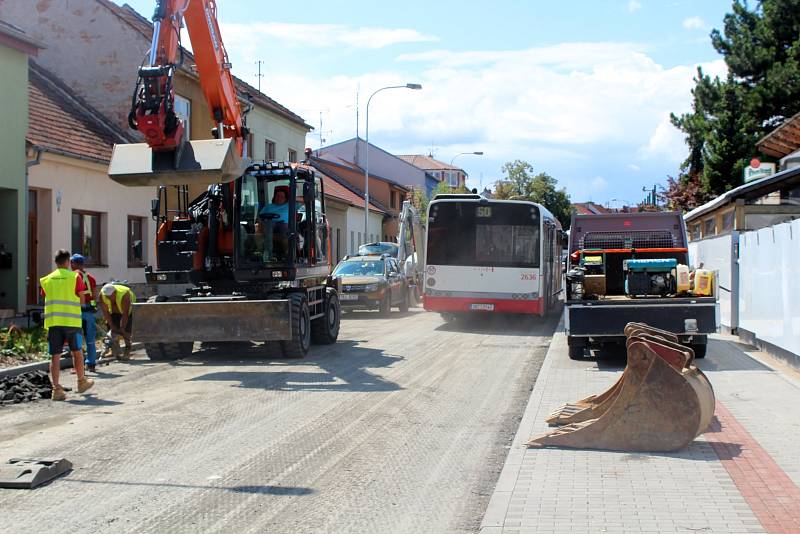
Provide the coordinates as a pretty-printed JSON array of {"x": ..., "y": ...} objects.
[{"x": 402, "y": 426}]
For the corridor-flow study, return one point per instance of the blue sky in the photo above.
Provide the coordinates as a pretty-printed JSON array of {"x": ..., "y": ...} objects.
[{"x": 581, "y": 89}]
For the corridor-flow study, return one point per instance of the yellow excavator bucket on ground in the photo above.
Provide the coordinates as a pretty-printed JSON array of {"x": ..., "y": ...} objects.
[
  {"x": 206, "y": 161},
  {"x": 661, "y": 403}
]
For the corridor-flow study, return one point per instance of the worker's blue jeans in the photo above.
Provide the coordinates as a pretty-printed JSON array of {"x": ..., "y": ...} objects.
[{"x": 89, "y": 332}]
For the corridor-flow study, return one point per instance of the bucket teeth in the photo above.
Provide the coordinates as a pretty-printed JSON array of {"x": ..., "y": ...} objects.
[{"x": 661, "y": 402}]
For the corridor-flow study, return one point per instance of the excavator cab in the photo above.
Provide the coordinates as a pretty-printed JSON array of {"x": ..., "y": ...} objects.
[{"x": 280, "y": 226}]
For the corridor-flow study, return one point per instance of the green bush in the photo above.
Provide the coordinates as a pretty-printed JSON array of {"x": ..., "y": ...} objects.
[{"x": 22, "y": 343}]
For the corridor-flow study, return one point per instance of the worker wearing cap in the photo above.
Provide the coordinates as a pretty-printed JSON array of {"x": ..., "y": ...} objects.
[
  {"x": 116, "y": 303},
  {"x": 88, "y": 310},
  {"x": 63, "y": 290}
]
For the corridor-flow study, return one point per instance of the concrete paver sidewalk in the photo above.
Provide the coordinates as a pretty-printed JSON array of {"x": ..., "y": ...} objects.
[{"x": 742, "y": 476}]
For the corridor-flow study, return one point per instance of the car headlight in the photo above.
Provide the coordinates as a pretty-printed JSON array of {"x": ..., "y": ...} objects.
[{"x": 369, "y": 288}]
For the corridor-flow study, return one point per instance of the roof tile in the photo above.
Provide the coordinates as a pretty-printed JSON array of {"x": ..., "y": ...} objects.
[{"x": 58, "y": 120}]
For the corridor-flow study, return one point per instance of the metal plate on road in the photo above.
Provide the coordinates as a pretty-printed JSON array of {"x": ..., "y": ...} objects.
[
  {"x": 345, "y": 296},
  {"x": 27, "y": 473},
  {"x": 481, "y": 307}
]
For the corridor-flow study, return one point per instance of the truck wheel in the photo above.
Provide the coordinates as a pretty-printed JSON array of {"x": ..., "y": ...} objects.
[
  {"x": 699, "y": 350},
  {"x": 576, "y": 348},
  {"x": 386, "y": 305},
  {"x": 325, "y": 330},
  {"x": 160, "y": 352},
  {"x": 297, "y": 347},
  {"x": 404, "y": 303}
]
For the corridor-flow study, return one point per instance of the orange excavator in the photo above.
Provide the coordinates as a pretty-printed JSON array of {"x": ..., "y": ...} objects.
[{"x": 251, "y": 254}]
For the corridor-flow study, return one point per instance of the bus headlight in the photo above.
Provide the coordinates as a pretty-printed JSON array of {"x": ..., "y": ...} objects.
[{"x": 431, "y": 281}]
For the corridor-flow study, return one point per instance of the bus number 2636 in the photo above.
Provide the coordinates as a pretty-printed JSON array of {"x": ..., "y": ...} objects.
[{"x": 527, "y": 276}]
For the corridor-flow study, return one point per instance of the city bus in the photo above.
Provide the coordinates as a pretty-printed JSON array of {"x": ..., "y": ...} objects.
[{"x": 491, "y": 256}]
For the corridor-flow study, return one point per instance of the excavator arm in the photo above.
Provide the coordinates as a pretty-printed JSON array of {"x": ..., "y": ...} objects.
[{"x": 166, "y": 158}]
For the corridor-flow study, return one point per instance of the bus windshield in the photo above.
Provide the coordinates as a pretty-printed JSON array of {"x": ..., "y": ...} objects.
[{"x": 492, "y": 235}]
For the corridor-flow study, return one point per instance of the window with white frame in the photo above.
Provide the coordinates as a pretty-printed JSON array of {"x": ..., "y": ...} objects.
[{"x": 269, "y": 150}]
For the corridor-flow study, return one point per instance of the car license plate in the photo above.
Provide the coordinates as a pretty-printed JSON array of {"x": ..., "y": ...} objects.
[
  {"x": 481, "y": 307},
  {"x": 345, "y": 296}
]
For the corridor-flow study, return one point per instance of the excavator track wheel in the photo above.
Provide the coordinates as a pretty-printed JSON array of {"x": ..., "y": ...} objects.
[
  {"x": 325, "y": 330},
  {"x": 298, "y": 346}
]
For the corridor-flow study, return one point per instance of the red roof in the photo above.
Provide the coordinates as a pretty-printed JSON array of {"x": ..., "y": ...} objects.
[
  {"x": 346, "y": 194},
  {"x": 589, "y": 208},
  {"x": 59, "y": 121},
  {"x": 428, "y": 163}
]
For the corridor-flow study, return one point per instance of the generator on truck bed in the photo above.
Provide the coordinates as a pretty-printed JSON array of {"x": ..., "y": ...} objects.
[
  {"x": 254, "y": 248},
  {"x": 632, "y": 267}
]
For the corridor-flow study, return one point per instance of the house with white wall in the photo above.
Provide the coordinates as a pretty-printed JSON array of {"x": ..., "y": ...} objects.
[
  {"x": 72, "y": 203},
  {"x": 443, "y": 172},
  {"x": 381, "y": 163},
  {"x": 344, "y": 208}
]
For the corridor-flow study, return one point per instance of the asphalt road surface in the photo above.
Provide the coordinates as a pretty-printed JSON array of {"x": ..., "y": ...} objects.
[{"x": 402, "y": 426}]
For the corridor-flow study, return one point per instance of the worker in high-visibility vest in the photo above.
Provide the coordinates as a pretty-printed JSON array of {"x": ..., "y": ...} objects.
[
  {"x": 63, "y": 293},
  {"x": 116, "y": 303},
  {"x": 88, "y": 310}
]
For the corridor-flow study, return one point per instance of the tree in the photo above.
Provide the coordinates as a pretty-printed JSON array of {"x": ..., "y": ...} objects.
[
  {"x": 761, "y": 48},
  {"x": 518, "y": 175},
  {"x": 762, "y": 51},
  {"x": 684, "y": 195},
  {"x": 541, "y": 188},
  {"x": 730, "y": 142}
]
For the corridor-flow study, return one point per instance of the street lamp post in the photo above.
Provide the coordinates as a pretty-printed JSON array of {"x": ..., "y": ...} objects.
[
  {"x": 414, "y": 86},
  {"x": 476, "y": 153}
]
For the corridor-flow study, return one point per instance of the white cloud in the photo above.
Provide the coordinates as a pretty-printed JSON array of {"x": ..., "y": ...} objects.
[
  {"x": 257, "y": 35},
  {"x": 634, "y": 5},
  {"x": 665, "y": 142},
  {"x": 572, "y": 106},
  {"x": 634, "y": 167},
  {"x": 694, "y": 23},
  {"x": 598, "y": 184}
]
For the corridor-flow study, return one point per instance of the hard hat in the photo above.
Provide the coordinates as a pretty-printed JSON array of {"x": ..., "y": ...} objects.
[
  {"x": 77, "y": 258},
  {"x": 108, "y": 290}
]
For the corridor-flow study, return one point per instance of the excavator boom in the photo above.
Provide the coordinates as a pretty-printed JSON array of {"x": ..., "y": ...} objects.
[{"x": 167, "y": 158}]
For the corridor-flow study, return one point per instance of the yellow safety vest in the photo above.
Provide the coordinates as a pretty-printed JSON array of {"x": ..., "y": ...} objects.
[
  {"x": 62, "y": 307},
  {"x": 85, "y": 277},
  {"x": 121, "y": 292}
]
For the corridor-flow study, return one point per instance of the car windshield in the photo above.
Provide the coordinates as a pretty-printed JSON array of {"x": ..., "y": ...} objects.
[
  {"x": 359, "y": 268},
  {"x": 379, "y": 248}
]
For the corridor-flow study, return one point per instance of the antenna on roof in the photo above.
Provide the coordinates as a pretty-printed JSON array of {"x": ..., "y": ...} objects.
[{"x": 259, "y": 75}]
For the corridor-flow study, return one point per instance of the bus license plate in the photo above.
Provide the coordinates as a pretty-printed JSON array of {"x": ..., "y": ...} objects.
[
  {"x": 481, "y": 307},
  {"x": 345, "y": 296}
]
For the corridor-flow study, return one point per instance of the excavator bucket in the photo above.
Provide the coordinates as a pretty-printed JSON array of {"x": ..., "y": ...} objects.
[
  {"x": 207, "y": 161},
  {"x": 224, "y": 320},
  {"x": 660, "y": 403},
  {"x": 594, "y": 406}
]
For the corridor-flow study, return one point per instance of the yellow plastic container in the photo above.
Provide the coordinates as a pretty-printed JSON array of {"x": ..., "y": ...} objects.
[
  {"x": 683, "y": 280},
  {"x": 703, "y": 283}
]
